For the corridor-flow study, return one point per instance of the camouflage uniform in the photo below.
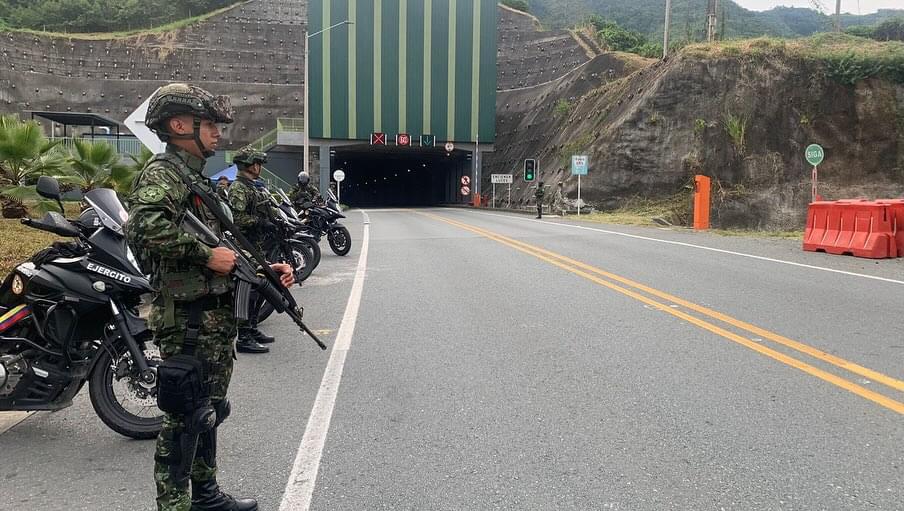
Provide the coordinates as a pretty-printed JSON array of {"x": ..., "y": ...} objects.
[
  {"x": 253, "y": 215},
  {"x": 539, "y": 194},
  {"x": 176, "y": 261},
  {"x": 301, "y": 194},
  {"x": 177, "y": 264}
]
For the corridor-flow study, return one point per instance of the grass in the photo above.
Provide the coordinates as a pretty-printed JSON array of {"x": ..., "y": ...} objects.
[
  {"x": 677, "y": 211},
  {"x": 847, "y": 58},
  {"x": 95, "y": 36},
  {"x": 19, "y": 242}
]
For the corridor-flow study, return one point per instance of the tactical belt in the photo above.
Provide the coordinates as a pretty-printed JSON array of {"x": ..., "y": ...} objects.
[{"x": 196, "y": 310}]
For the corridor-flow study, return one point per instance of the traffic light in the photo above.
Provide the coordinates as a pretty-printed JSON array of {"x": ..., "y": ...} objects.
[{"x": 530, "y": 169}]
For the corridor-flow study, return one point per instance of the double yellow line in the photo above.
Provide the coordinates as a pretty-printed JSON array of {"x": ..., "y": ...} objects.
[{"x": 634, "y": 290}]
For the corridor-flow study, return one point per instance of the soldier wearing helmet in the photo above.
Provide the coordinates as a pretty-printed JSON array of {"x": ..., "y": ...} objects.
[
  {"x": 254, "y": 214},
  {"x": 304, "y": 191},
  {"x": 192, "y": 311}
]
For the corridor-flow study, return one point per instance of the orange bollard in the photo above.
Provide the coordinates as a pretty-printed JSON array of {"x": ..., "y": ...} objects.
[
  {"x": 476, "y": 201},
  {"x": 701, "y": 202}
]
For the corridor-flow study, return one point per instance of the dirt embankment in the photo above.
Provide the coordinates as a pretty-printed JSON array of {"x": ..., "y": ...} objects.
[{"x": 742, "y": 117}]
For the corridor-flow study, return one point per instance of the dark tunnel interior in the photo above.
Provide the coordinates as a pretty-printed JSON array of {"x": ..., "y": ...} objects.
[{"x": 398, "y": 177}]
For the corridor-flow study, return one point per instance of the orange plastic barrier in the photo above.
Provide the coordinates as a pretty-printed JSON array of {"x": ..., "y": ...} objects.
[
  {"x": 853, "y": 227},
  {"x": 896, "y": 216}
]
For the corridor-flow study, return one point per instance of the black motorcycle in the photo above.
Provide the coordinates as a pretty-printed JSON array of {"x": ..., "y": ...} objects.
[
  {"x": 69, "y": 315},
  {"x": 323, "y": 218},
  {"x": 302, "y": 232}
]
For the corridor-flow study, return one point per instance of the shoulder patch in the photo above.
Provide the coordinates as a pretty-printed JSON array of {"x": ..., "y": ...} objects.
[{"x": 151, "y": 193}]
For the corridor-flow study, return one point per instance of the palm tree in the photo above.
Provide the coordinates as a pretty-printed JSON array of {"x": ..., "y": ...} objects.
[
  {"x": 25, "y": 154},
  {"x": 94, "y": 165},
  {"x": 122, "y": 180}
]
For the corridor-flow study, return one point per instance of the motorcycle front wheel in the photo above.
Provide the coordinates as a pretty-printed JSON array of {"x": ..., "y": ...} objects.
[
  {"x": 125, "y": 403},
  {"x": 340, "y": 240}
]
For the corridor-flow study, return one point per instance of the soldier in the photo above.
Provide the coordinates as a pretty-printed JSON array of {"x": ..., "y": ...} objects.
[
  {"x": 539, "y": 194},
  {"x": 223, "y": 187},
  {"x": 192, "y": 310},
  {"x": 558, "y": 200},
  {"x": 304, "y": 191},
  {"x": 252, "y": 211}
]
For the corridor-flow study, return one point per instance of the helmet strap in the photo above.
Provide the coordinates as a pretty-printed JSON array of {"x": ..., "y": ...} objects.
[{"x": 196, "y": 130}]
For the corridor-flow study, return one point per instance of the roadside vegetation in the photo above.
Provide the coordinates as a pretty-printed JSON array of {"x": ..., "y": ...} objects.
[
  {"x": 94, "y": 16},
  {"x": 26, "y": 154},
  {"x": 847, "y": 59}
]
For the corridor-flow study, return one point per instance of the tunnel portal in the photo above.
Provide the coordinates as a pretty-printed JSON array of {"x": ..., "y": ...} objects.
[{"x": 385, "y": 176}]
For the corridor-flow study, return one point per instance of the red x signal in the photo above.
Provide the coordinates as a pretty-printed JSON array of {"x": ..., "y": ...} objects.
[{"x": 378, "y": 139}]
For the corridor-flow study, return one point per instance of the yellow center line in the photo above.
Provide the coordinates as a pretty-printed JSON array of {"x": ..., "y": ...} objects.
[
  {"x": 779, "y": 339},
  {"x": 551, "y": 258}
]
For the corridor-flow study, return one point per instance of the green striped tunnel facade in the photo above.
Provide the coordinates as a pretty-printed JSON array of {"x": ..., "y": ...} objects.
[{"x": 404, "y": 66}]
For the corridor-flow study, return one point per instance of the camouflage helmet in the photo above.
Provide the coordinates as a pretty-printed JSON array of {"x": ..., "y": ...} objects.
[
  {"x": 184, "y": 99},
  {"x": 249, "y": 156}
]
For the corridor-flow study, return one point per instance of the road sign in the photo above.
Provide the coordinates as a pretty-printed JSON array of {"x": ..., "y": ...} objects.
[
  {"x": 377, "y": 138},
  {"x": 465, "y": 191},
  {"x": 428, "y": 140},
  {"x": 339, "y": 176},
  {"x": 530, "y": 169},
  {"x": 814, "y": 154},
  {"x": 449, "y": 147},
  {"x": 135, "y": 123},
  {"x": 465, "y": 180},
  {"x": 579, "y": 164},
  {"x": 403, "y": 139},
  {"x": 502, "y": 179}
]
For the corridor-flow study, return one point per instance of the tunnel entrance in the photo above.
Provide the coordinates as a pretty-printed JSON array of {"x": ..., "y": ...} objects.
[{"x": 387, "y": 176}]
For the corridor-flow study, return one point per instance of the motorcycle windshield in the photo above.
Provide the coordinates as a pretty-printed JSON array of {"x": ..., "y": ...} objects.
[{"x": 111, "y": 212}]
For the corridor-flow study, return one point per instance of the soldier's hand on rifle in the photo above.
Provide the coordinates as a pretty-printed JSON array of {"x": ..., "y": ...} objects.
[
  {"x": 285, "y": 271},
  {"x": 222, "y": 260}
]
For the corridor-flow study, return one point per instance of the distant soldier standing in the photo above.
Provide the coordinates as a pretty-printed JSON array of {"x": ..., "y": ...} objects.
[
  {"x": 192, "y": 317},
  {"x": 539, "y": 194},
  {"x": 251, "y": 208}
]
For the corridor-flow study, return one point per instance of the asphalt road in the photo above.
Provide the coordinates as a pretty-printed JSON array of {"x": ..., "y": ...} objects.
[{"x": 498, "y": 362}]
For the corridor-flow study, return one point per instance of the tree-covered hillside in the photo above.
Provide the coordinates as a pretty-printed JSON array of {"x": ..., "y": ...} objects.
[
  {"x": 100, "y": 15},
  {"x": 688, "y": 17}
]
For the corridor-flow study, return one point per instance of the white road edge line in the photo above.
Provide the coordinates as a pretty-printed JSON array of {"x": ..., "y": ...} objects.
[
  {"x": 701, "y": 247},
  {"x": 300, "y": 487}
]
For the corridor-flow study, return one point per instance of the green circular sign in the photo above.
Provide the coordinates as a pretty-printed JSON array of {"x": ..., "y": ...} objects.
[{"x": 815, "y": 154}]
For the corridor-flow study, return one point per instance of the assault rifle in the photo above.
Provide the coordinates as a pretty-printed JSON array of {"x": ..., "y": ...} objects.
[{"x": 246, "y": 271}]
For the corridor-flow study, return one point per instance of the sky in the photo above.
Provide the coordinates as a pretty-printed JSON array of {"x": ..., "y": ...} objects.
[{"x": 851, "y": 6}]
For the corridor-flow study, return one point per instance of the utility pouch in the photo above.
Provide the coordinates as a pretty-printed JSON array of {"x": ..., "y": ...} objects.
[
  {"x": 182, "y": 378},
  {"x": 182, "y": 385}
]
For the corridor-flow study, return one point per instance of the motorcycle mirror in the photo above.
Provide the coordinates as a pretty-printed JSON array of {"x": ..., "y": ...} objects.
[{"x": 49, "y": 188}]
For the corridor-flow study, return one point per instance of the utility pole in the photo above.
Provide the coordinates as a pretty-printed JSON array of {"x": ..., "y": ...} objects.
[
  {"x": 837, "y": 15},
  {"x": 665, "y": 32},
  {"x": 711, "y": 20}
]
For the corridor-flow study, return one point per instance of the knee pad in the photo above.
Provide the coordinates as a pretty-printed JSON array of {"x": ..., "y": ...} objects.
[{"x": 223, "y": 409}]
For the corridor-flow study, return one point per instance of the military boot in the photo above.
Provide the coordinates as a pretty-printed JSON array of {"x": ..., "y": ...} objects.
[
  {"x": 247, "y": 343},
  {"x": 261, "y": 337},
  {"x": 206, "y": 494}
]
